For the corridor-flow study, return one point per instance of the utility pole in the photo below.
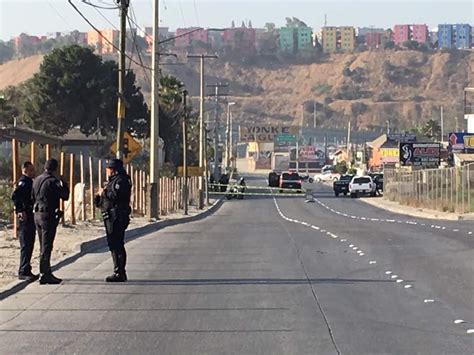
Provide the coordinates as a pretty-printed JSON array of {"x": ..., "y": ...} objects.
[
  {"x": 185, "y": 156},
  {"x": 442, "y": 124},
  {"x": 228, "y": 133},
  {"x": 202, "y": 140},
  {"x": 349, "y": 139},
  {"x": 314, "y": 114},
  {"x": 216, "y": 129},
  {"x": 153, "y": 192},
  {"x": 123, "y": 4}
]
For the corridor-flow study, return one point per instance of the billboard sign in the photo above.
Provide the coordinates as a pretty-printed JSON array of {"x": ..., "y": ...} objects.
[
  {"x": 389, "y": 155},
  {"x": 265, "y": 134},
  {"x": 402, "y": 137},
  {"x": 461, "y": 142},
  {"x": 308, "y": 154},
  {"x": 420, "y": 155}
]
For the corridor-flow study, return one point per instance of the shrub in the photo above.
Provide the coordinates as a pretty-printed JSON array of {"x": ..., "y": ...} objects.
[{"x": 321, "y": 88}]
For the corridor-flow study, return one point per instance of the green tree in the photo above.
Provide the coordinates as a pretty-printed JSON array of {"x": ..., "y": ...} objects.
[
  {"x": 74, "y": 88},
  {"x": 431, "y": 129},
  {"x": 295, "y": 22},
  {"x": 6, "y": 51}
]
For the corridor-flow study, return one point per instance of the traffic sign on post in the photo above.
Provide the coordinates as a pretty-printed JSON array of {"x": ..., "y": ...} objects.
[{"x": 130, "y": 148}]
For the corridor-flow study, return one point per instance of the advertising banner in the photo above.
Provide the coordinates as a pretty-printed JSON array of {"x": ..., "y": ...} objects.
[
  {"x": 461, "y": 142},
  {"x": 389, "y": 155},
  {"x": 421, "y": 155},
  {"x": 264, "y": 134}
]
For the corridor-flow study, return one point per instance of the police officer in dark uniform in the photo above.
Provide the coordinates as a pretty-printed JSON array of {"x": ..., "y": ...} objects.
[
  {"x": 47, "y": 191},
  {"x": 26, "y": 229},
  {"x": 114, "y": 202}
]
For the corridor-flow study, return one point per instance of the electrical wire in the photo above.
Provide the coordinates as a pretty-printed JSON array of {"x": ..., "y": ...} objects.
[
  {"x": 100, "y": 7},
  {"x": 182, "y": 13},
  {"x": 135, "y": 45},
  {"x": 58, "y": 13},
  {"x": 196, "y": 13},
  {"x": 102, "y": 36}
]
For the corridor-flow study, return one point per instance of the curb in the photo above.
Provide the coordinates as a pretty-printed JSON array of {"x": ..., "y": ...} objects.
[
  {"x": 101, "y": 242},
  {"x": 414, "y": 212}
]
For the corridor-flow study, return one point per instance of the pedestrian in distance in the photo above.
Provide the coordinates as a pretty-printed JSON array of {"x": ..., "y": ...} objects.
[
  {"x": 48, "y": 190},
  {"x": 26, "y": 230},
  {"x": 114, "y": 202}
]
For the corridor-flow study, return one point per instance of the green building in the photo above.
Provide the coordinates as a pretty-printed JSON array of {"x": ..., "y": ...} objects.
[
  {"x": 295, "y": 39},
  {"x": 305, "y": 38}
]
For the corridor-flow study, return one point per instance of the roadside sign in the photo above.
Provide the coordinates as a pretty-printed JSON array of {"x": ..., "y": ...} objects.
[
  {"x": 421, "y": 155},
  {"x": 264, "y": 134},
  {"x": 283, "y": 142},
  {"x": 192, "y": 171},
  {"x": 461, "y": 142},
  {"x": 130, "y": 148}
]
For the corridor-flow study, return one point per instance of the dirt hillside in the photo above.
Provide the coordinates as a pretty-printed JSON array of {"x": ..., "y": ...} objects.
[{"x": 405, "y": 88}]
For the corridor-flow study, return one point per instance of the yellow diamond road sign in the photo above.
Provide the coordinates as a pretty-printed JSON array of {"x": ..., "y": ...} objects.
[{"x": 130, "y": 147}]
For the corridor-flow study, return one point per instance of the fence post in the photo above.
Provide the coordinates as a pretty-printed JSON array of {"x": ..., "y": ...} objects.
[
  {"x": 144, "y": 181},
  {"x": 61, "y": 173},
  {"x": 71, "y": 186},
  {"x": 33, "y": 153},
  {"x": 91, "y": 183},
  {"x": 14, "y": 179},
  {"x": 83, "y": 190}
]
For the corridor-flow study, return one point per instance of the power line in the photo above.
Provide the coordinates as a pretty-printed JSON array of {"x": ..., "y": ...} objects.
[
  {"x": 102, "y": 36},
  {"x": 58, "y": 13},
  {"x": 196, "y": 13},
  {"x": 135, "y": 45},
  {"x": 100, "y": 7},
  {"x": 182, "y": 13}
]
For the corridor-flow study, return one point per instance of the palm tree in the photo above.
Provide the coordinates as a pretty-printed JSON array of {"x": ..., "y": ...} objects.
[{"x": 431, "y": 129}]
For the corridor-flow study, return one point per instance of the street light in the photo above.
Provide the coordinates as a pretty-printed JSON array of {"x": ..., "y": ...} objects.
[{"x": 228, "y": 147}]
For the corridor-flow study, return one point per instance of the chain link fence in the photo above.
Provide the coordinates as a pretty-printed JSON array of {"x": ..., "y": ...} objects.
[{"x": 448, "y": 190}]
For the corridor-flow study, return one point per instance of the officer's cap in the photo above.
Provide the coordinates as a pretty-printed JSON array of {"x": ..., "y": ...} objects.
[
  {"x": 51, "y": 165},
  {"x": 115, "y": 164}
]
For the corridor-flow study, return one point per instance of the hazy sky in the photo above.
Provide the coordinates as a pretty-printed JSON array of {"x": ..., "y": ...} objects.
[{"x": 37, "y": 17}]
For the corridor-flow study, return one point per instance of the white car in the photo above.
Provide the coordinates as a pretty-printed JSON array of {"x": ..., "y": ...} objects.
[
  {"x": 362, "y": 185},
  {"x": 327, "y": 175}
]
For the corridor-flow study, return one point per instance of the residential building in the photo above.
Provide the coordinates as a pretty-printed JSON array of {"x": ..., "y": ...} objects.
[
  {"x": 347, "y": 38},
  {"x": 185, "y": 37},
  {"x": 94, "y": 40},
  {"x": 147, "y": 34},
  {"x": 362, "y": 32},
  {"x": 304, "y": 37},
  {"x": 463, "y": 36},
  {"x": 419, "y": 33},
  {"x": 24, "y": 41},
  {"x": 445, "y": 36},
  {"x": 287, "y": 40},
  {"x": 329, "y": 38},
  {"x": 110, "y": 41},
  {"x": 215, "y": 40},
  {"x": 454, "y": 36},
  {"x": 401, "y": 34},
  {"x": 373, "y": 40},
  {"x": 241, "y": 39}
]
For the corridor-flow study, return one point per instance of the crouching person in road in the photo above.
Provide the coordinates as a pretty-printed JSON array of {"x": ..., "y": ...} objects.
[{"x": 114, "y": 202}]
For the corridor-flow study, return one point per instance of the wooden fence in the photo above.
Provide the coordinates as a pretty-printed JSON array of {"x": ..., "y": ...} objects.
[{"x": 87, "y": 174}]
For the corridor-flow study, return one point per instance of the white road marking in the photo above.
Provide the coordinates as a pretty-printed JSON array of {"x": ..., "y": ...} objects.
[
  {"x": 459, "y": 321},
  {"x": 388, "y": 272},
  {"x": 469, "y": 233},
  {"x": 394, "y": 276},
  {"x": 372, "y": 262},
  {"x": 355, "y": 248},
  {"x": 470, "y": 331},
  {"x": 351, "y": 245},
  {"x": 455, "y": 230},
  {"x": 315, "y": 227},
  {"x": 399, "y": 281},
  {"x": 408, "y": 286},
  {"x": 428, "y": 301},
  {"x": 361, "y": 254}
]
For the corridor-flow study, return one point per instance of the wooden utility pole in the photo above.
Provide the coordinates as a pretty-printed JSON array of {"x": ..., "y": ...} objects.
[
  {"x": 202, "y": 141},
  {"x": 123, "y": 4},
  {"x": 154, "y": 187},
  {"x": 185, "y": 156}
]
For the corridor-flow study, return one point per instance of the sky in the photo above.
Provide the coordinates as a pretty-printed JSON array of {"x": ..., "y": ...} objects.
[{"x": 39, "y": 17}]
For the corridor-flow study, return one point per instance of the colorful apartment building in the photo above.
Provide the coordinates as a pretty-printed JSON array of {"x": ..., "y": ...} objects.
[
  {"x": 147, "y": 34},
  {"x": 295, "y": 39},
  {"x": 304, "y": 37},
  {"x": 185, "y": 37},
  {"x": 24, "y": 41},
  {"x": 329, "y": 37},
  {"x": 373, "y": 40},
  {"x": 405, "y": 33},
  {"x": 94, "y": 40},
  {"x": 455, "y": 36},
  {"x": 338, "y": 38},
  {"x": 242, "y": 39},
  {"x": 287, "y": 40},
  {"x": 107, "y": 42}
]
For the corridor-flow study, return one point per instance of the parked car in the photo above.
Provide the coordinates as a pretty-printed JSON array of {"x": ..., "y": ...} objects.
[
  {"x": 362, "y": 185},
  {"x": 290, "y": 181},
  {"x": 341, "y": 186},
  {"x": 378, "y": 180},
  {"x": 273, "y": 179},
  {"x": 327, "y": 175},
  {"x": 307, "y": 178}
]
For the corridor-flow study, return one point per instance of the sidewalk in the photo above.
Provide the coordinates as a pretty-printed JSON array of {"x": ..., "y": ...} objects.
[
  {"x": 69, "y": 240},
  {"x": 415, "y": 211}
]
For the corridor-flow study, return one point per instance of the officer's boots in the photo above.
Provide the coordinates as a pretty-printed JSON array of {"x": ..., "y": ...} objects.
[{"x": 119, "y": 274}]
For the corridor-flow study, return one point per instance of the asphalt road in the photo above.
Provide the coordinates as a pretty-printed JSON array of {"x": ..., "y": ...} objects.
[{"x": 264, "y": 275}]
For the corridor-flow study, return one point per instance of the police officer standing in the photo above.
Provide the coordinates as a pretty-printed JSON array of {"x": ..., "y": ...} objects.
[
  {"x": 26, "y": 229},
  {"x": 47, "y": 191},
  {"x": 114, "y": 202}
]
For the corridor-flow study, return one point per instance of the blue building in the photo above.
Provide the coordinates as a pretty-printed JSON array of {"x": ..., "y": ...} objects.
[
  {"x": 463, "y": 39},
  {"x": 445, "y": 36},
  {"x": 454, "y": 36}
]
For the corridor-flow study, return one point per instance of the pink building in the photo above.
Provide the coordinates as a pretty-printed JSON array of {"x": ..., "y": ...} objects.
[
  {"x": 373, "y": 39},
  {"x": 241, "y": 39},
  {"x": 24, "y": 41},
  {"x": 420, "y": 33},
  {"x": 186, "y": 40},
  {"x": 401, "y": 34}
]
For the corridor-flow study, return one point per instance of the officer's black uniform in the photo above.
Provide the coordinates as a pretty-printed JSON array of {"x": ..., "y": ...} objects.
[
  {"x": 47, "y": 191},
  {"x": 26, "y": 229},
  {"x": 114, "y": 203}
]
